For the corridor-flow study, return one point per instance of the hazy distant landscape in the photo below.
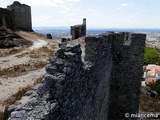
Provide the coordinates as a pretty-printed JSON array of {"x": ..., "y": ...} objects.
[
  {"x": 152, "y": 39},
  {"x": 153, "y": 35}
]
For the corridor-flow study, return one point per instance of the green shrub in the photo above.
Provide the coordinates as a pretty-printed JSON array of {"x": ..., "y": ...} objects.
[{"x": 151, "y": 56}]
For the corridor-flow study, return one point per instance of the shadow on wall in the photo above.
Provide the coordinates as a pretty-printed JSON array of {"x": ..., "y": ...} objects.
[{"x": 76, "y": 90}]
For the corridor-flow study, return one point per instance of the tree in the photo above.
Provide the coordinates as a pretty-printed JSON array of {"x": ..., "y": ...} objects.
[{"x": 151, "y": 56}]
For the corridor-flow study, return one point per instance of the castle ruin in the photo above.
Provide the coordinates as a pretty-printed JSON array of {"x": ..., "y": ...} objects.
[
  {"x": 16, "y": 17},
  {"x": 78, "y": 30},
  {"x": 98, "y": 80}
]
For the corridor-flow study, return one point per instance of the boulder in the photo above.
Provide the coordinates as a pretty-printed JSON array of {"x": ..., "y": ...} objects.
[{"x": 49, "y": 36}]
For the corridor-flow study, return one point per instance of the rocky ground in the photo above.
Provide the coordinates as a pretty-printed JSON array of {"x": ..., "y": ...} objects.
[{"x": 21, "y": 68}]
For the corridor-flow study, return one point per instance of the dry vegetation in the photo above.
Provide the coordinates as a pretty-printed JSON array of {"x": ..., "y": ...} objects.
[
  {"x": 21, "y": 92},
  {"x": 148, "y": 104},
  {"x": 35, "y": 63},
  {"x": 11, "y": 51},
  {"x": 24, "y": 61},
  {"x": 22, "y": 69},
  {"x": 42, "y": 52},
  {"x": 17, "y": 96}
]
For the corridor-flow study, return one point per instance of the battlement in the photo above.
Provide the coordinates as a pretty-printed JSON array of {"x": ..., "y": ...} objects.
[
  {"x": 78, "y": 30},
  {"x": 16, "y": 17},
  {"x": 104, "y": 86}
]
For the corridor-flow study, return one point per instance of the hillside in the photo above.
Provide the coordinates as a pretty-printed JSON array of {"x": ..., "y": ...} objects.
[{"x": 23, "y": 67}]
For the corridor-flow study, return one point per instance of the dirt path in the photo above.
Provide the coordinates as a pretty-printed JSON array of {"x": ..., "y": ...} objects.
[{"x": 21, "y": 68}]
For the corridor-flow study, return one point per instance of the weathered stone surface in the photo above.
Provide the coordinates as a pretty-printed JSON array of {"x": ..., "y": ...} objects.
[
  {"x": 78, "y": 30},
  {"x": 52, "y": 60},
  {"x": 51, "y": 69},
  {"x": 28, "y": 93},
  {"x": 67, "y": 70},
  {"x": 16, "y": 17},
  {"x": 42, "y": 89},
  {"x": 126, "y": 74},
  {"x": 9, "y": 39},
  {"x": 56, "y": 78},
  {"x": 18, "y": 114},
  {"x": 21, "y": 16},
  {"x": 100, "y": 88},
  {"x": 65, "y": 39},
  {"x": 49, "y": 36},
  {"x": 6, "y": 19}
]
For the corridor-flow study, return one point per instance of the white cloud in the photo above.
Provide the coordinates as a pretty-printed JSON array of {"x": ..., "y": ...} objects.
[
  {"x": 70, "y": 14},
  {"x": 125, "y": 4},
  {"x": 65, "y": 8},
  {"x": 63, "y": 12},
  {"x": 118, "y": 8},
  {"x": 92, "y": 11},
  {"x": 3, "y": 4},
  {"x": 46, "y": 20},
  {"x": 40, "y": 2},
  {"x": 47, "y": 2},
  {"x": 89, "y": 9},
  {"x": 73, "y": 0}
]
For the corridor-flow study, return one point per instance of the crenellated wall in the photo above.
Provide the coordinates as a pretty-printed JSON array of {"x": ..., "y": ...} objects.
[
  {"x": 104, "y": 86},
  {"x": 128, "y": 50}
]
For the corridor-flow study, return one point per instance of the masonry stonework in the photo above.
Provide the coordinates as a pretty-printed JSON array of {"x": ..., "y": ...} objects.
[
  {"x": 78, "y": 30},
  {"x": 6, "y": 18},
  {"x": 103, "y": 86},
  {"x": 16, "y": 17},
  {"x": 128, "y": 49}
]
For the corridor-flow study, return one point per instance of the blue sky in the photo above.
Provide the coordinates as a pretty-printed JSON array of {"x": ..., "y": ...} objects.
[{"x": 99, "y": 13}]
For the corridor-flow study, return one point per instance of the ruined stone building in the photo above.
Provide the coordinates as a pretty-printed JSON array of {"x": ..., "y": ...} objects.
[
  {"x": 16, "y": 17},
  {"x": 99, "y": 81},
  {"x": 78, "y": 30}
]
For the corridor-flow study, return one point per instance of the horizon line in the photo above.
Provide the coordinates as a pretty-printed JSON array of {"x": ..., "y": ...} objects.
[{"x": 66, "y": 27}]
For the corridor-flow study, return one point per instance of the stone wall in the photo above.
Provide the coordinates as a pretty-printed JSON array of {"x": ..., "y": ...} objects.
[
  {"x": 6, "y": 18},
  {"x": 22, "y": 16},
  {"x": 104, "y": 86},
  {"x": 128, "y": 49},
  {"x": 78, "y": 30},
  {"x": 16, "y": 17}
]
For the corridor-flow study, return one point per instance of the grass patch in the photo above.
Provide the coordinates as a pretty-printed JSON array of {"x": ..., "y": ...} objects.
[
  {"x": 7, "y": 52},
  {"x": 21, "y": 69},
  {"x": 42, "y": 52},
  {"x": 37, "y": 53}
]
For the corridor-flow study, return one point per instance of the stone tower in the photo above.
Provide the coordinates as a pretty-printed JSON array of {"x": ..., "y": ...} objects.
[
  {"x": 78, "y": 30},
  {"x": 21, "y": 16}
]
